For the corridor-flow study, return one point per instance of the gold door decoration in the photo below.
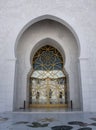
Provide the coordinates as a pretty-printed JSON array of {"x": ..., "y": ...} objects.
[{"x": 48, "y": 81}]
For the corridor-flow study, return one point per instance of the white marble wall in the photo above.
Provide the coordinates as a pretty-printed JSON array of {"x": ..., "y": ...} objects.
[{"x": 15, "y": 16}]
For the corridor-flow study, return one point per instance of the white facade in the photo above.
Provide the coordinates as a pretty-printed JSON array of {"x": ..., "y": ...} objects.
[{"x": 71, "y": 28}]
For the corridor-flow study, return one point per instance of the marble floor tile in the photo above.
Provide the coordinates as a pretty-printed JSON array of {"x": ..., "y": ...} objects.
[{"x": 47, "y": 121}]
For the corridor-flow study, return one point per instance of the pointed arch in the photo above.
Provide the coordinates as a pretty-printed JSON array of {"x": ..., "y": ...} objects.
[
  {"x": 40, "y": 42},
  {"x": 44, "y": 17},
  {"x": 47, "y": 80},
  {"x": 47, "y": 41}
]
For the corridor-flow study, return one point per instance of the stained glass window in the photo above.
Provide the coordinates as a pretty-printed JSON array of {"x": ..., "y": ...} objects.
[{"x": 47, "y": 58}]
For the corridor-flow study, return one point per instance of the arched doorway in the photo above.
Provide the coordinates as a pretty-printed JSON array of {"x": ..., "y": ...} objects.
[
  {"x": 48, "y": 81},
  {"x": 38, "y": 35}
]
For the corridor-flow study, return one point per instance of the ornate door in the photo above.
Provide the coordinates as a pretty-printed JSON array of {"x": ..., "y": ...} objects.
[{"x": 48, "y": 86}]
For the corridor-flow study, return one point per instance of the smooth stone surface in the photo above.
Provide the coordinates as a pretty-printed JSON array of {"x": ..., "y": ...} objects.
[{"x": 47, "y": 121}]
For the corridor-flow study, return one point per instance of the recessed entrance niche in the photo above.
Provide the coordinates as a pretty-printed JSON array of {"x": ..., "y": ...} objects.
[
  {"x": 48, "y": 82},
  {"x": 45, "y": 52}
]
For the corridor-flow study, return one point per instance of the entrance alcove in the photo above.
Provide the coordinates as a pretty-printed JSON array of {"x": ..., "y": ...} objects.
[
  {"x": 53, "y": 34},
  {"x": 48, "y": 83}
]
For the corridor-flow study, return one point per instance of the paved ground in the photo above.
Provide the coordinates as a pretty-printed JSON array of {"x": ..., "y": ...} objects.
[{"x": 47, "y": 121}]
